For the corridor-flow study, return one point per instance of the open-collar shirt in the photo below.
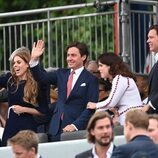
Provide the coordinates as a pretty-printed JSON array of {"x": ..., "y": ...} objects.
[{"x": 107, "y": 154}]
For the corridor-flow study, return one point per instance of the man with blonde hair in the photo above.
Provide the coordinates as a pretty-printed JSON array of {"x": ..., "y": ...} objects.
[
  {"x": 135, "y": 131},
  {"x": 25, "y": 144}
]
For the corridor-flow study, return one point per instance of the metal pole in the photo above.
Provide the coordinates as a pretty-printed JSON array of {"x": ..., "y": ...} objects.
[
  {"x": 50, "y": 59},
  {"x": 125, "y": 31},
  {"x": 155, "y": 9}
]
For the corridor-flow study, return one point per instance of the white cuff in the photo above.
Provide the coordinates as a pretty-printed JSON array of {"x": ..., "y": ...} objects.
[
  {"x": 145, "y": 101},
  {"x": 33, "y": 63},
  {"x": 74, "y": 127},
  {"x": 151, "y": 105}
]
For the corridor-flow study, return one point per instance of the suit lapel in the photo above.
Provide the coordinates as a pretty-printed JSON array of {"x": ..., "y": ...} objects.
[
  {"x": 65, "y": 79},
  {"x": 89, "y": 154},
  {"x": 151, "y": 74}
]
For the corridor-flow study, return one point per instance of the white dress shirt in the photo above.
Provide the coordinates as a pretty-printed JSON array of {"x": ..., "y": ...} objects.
[
  {"x": 156, "y": 57},
  {"x": 108, "y": 153},
  {"x": 76, "y": 75},
  {"x": 38, "y": 156}
]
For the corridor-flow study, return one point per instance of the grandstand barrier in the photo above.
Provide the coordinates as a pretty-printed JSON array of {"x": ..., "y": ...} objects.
[{"x": 66, "y": 149}]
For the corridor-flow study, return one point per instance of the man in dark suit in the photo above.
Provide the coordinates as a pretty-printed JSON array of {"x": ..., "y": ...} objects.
[
  {"x": 152, "y": 41},
  {"x": 135, "y": 131},
  {"x": 25, "y": 144},
  {"x": 70, "y": 113},
  {"x": 100, "y": 133}
]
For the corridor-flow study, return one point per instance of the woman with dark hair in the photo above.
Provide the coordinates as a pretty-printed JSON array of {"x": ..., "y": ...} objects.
[
  {"x": 25, "y": 95},
  {"x": 124, "y": 94}
]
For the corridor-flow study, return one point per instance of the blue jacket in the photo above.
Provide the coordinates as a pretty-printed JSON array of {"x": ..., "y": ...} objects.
[
  {"x": 140, "y": 143},
  {"x": 74, "y": 107}
]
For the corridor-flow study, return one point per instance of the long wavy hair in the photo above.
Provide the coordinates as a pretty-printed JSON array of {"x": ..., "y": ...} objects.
[
  {"x": 117, "y": 66},
  {"x": 99, "y": 115},
  {"x": 31, "y": 86}
]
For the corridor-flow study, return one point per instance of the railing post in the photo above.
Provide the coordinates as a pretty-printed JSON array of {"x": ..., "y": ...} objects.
[
  {"x": 125, "y": 29},
  {"x": 117, "y": 27},
  {"x": 155, "y": 9},
  {"x": 50, "y": 53}
]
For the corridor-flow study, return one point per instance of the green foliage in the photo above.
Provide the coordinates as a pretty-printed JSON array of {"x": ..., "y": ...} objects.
[{"x": 62, "y": 31}]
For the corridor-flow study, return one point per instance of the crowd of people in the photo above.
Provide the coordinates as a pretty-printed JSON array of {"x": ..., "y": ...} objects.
[{"x": 92, "y": 95}]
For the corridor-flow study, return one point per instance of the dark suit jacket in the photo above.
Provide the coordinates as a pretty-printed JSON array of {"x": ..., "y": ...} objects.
[
  {"x": 87, "y": 154},
  {"x": 74, "y": 107},
  {"x": 139, "y": 143},
  {"x": 153, "y": 90}
]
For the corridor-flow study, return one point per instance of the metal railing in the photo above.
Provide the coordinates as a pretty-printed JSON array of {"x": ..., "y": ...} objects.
[
  {"x": 142, "y": 15},
  {"x": 122, "y": 28},
  {"x": 96, "y": 29}
]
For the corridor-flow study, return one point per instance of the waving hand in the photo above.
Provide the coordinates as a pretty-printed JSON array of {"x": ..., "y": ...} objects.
[{"x": 37, "y": 50}]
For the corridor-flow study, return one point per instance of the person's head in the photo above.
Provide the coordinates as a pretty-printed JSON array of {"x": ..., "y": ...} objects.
[
  {"x": 24, "y": 144},
  {"x": 20, "y": 62},
  {"x": 104, "y": 89},
  {"x": 92, "y": 67},
  {"x": 100, "y": 129},
  {"x": 77, "y": 54},
  {"x": 111, "y": 65},
  {"x": 153, "y": 38},
  {"x": 20, "y": 71},
  {"x": 136, "y": 122},
  {"x": 153, "y": 127}
]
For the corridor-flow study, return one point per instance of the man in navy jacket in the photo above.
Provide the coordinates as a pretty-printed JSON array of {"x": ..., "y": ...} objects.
[
  {"x": 70, "y": 113},
  {"x": 135, "y": 131}
]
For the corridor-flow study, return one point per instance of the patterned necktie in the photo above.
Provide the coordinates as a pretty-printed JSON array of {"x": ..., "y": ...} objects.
[{"x": 69, "y": 83}]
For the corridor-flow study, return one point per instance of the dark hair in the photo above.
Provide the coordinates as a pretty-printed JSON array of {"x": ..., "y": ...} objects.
[
  {"x": 142, "y": 84},
  {"x": 82, "y": 47},
  {"x": 92, "y": 123},
  {"x": 117, "y": 66},
  {"x": 154, "y": 27},
  {"x": 105, "y": 83}
]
